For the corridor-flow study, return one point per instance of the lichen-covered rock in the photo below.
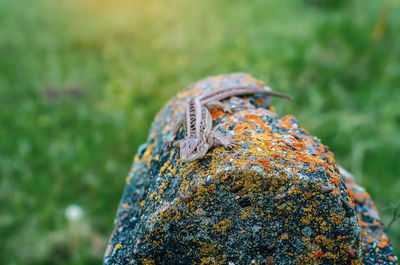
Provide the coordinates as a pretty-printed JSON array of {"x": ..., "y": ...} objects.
[
  {"x": 277, "y": 198},
  {"x": 375, "y": 244}
]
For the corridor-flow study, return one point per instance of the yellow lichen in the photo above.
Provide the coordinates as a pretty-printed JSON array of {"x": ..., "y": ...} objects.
[
  {"x": 223, "y": 226},
  {"x": 244, "y": 215},
  {"x": 117, "y": 246},
  {"x": 148, "y": 262}
]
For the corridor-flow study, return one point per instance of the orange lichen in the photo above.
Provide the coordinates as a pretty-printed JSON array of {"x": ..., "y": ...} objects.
[
  {"x": 317, "y": 254},
  {"x": 263, "y": 162},
  {"x": 108, "y": 250},
  {"x": 285, "y": 122},
  {"x": 299, "y": 145},
  {"x": 251, "y": 117},
  {"x": 383, "y": 242},
  {"x": 335, "y": 180},
  {"x": 216, "y": 113},
  {"x": 206, "y": 260},
  {"x": 260, "y": 101}
]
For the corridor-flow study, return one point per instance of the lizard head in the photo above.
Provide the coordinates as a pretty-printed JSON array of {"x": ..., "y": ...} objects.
[{"x": 192, "y": 149}]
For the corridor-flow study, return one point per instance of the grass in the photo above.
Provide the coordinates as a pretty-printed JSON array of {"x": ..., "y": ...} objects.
[{"x": 80, "y": 82}]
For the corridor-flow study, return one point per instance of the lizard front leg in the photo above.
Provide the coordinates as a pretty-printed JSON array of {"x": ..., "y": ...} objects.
[
  {"x": 175, "y": 130},
  {"x": 216, "y": 137}
]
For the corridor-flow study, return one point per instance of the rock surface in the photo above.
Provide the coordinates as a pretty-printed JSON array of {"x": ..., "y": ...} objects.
[{"x": 277, "y": 198}]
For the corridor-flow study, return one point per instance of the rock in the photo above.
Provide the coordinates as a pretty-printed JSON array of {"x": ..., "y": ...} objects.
[{"x": 278, "y": 198}]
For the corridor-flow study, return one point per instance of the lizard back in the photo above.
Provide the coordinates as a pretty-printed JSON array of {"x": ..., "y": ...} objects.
[{"x": 193, "y": 118}]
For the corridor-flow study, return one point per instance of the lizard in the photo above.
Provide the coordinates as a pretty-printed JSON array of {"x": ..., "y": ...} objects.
[{"x": 197, "y": 121}]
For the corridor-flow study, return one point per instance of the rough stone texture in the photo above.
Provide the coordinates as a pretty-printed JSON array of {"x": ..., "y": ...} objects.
[{"x": 278, "y": 198}]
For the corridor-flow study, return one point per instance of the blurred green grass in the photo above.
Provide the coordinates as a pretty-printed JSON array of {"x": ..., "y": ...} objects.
[{"x": 80, "y": 82}]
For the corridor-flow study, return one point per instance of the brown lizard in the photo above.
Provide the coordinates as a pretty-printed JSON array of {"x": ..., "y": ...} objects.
[{"x": 199, "y": 135}]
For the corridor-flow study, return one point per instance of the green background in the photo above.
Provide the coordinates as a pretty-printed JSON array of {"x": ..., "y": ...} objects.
[{"x": 81, "y": 80}]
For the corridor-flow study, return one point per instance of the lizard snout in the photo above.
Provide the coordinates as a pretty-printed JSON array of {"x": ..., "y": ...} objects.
[{"x": 192, "y": 149}]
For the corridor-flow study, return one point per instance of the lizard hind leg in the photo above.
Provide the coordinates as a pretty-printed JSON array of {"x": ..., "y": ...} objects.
[
  {"x": 219, "y": 105},
  {"x": 216, "y": 137}
]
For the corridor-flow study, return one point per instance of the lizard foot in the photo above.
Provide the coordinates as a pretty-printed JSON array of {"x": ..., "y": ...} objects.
[
  {"x": 221, "y": 139},
  {"x": 218, "y": 104},
  {"x": 227, "y": 109}
]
